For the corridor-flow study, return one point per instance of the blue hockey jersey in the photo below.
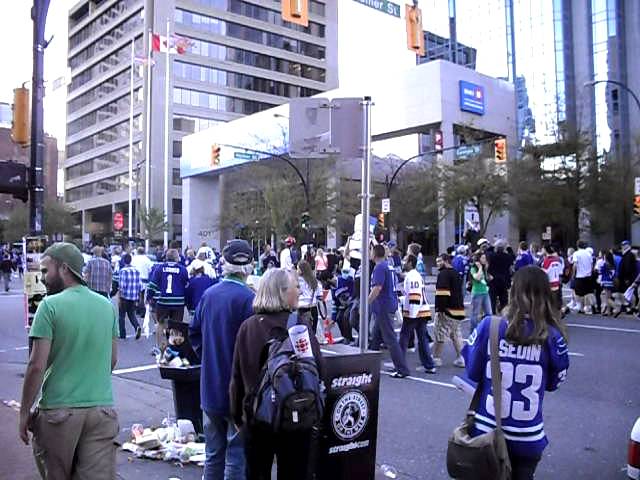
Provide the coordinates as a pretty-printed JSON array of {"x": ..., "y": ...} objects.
[
  {"x": 527, "y": 371},
  {"x": 167, "y": 284}
]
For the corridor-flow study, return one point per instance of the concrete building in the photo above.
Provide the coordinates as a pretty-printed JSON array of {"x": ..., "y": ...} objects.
[
  {"x": 242, "y": 58},
  {"x": 399, "y": 115},
  {"x": 10, "y": 151}
]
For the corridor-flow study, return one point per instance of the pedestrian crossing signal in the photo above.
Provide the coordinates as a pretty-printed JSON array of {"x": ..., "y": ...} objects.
[
  {"x": 215, "y": 155},
  {"x": 636, "y": 205},
  {"x": 500, "y": 146},
  {"x": 381, "y": 220}
]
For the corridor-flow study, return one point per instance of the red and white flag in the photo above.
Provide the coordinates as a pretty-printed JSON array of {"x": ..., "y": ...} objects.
[{"x": 175, "y": 44}]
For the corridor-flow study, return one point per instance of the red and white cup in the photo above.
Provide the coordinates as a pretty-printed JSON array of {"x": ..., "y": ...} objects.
[{"x": 299, "y": 335}]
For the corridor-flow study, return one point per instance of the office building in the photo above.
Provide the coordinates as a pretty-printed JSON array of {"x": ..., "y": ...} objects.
[
  {"x": 10, "y": 151},
  {"x": 241, "y": 58},
  {"x": 441, "y": 48}
]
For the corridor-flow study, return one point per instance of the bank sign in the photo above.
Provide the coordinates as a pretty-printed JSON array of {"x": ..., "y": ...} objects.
[
  {"x": 471, "y": 97},
  {"x": 384, "y": 6}
]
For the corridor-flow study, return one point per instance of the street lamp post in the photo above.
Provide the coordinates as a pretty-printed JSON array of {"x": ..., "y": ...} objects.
[{"x": 627, "y": 161}]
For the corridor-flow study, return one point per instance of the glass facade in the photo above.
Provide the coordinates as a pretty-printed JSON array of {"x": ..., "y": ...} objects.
[
  {"x": 440, "y": 48},
  {"x": 219, "y": 103},
  {"x": 254, "y": 59},
  {"x": 108, "y": 160},
  {"x": 187, "y": 124},
  {"x": 213, "y": 25},
  {"x": 223, "y": 78},
  {"x": 106, "y": 41},
  {"x": 606, "y": 66},
  {"x": 101, "y": 187},
  {"x": 103, "y": 137},
  {"x": 112, "y": 15},
  {"x": 315, "y": 7},
  {"x": 104, "y": 113}
]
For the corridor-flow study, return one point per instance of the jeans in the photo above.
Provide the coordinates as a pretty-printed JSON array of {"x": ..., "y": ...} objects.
[
  {"x": 523, "y": 468},
  {"x": 499, "y": 293},
  {"x": 383, "y": 327},
  {"x": 418, "y": 325},
  {"x": 127, "y": 307},
  {"x": 479, "y": 301},
  {"x": 224, "y": 449},
  {"x": 6, "y": 277}
]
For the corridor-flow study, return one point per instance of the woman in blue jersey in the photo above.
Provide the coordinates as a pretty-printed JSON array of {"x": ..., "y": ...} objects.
[{"x": 534, "y": 358}]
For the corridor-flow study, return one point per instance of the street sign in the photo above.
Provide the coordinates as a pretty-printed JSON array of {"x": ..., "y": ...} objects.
[
  {"x": 386, "y": 205},
  {"x": 463, "y": 152},
  {"x": 637, "y": 186},
  {"x": 118, "y": 221},
  {"x": 245, "y": 156}
]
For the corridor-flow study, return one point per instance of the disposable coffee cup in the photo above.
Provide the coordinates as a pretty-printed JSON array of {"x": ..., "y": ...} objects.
[{"x": 299, "y": 335}]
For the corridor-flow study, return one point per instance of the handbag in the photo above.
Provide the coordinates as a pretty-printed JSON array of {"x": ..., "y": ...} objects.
[{"x": 484, "y": 457}]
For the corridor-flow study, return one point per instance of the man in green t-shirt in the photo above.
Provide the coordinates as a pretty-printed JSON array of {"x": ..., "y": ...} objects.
[{"x": 74, "y": 335}]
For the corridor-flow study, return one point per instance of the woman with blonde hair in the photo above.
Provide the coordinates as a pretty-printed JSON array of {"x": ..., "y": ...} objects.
[
  {"x": 310, "y": 291},
  {"x": 275, "y": 300}
]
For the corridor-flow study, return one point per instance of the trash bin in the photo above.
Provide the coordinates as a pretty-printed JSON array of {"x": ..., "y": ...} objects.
[
  {"x": 347, "y": 448},
  {"x": 185, "y": 381}
]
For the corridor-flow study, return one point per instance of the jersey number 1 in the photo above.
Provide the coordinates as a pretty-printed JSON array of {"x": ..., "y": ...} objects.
[{"x": 169, "y": 283}]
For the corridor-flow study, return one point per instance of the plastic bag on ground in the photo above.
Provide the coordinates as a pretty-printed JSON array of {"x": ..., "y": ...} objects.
[{"x": 146, "y": 329}]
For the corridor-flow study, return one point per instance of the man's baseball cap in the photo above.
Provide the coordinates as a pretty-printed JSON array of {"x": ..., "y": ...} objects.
[
  {"x": 238, "y": 252},
  {"x": 626, "y": 243},
  {"x": 68, "y": 254},
  {"x": 482, "y": 241}
]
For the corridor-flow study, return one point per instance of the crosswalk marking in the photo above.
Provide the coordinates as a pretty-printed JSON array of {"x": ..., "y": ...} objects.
[{"x": 599, "y": 327}]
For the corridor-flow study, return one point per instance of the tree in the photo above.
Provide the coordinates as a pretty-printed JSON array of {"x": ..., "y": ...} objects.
[
  {"x": 57, "y": 218},
  {"x": 153, "y": 222},
  {"x": 478, "y": 181}
]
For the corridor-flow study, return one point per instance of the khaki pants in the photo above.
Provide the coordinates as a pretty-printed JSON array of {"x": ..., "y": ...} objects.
[{"x": 76, "y": 443}]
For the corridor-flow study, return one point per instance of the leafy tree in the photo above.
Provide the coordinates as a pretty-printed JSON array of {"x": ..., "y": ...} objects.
[
  {"x": 478, "y": 181},
  {"x": 57, "y": 218},
  {"x": 153, "y": 222}
]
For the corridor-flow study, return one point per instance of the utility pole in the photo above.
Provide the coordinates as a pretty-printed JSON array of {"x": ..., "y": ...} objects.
[{"x": 36, "y": 199}]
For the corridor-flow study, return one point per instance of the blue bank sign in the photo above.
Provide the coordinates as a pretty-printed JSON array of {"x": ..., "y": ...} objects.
[
  {"x": 385, "y": 6},
  {"x": 471, "y": 97}
]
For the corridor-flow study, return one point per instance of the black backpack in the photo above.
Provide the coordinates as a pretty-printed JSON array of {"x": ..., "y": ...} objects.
[{"x": 290, "y": 395}]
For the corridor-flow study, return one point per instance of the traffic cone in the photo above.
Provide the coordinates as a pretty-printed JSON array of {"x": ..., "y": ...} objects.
[{"x": 633, "y": 462}]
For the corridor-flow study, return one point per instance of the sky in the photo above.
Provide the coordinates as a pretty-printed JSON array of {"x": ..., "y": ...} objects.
[
  {"x": 16, "y": 33},
  {"x": 16, "y": 36}
]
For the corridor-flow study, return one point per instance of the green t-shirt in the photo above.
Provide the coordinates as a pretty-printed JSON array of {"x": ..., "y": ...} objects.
[
  {"x": 478, "y": 287},
  {"x": 81, "y": 326}
]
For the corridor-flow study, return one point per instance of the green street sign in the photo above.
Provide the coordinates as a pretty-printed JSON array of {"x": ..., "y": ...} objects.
[
  {"x": 464, "y": 152},
  {"x": 245, "y": 156},
  {"x": 383, "y": 6}
]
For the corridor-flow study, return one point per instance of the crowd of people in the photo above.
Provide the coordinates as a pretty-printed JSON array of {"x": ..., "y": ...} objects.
[
  {"x": 11, "y": 262},
  {"x": 236, "y": 306}
]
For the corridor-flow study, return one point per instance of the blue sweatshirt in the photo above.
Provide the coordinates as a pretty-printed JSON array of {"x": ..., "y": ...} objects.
[
  {"x": 195, "y": 289},
  {"x": 522, "y": 260},
  {"x": 212, "y": 333},
  {"x": 342, "y": 294}
]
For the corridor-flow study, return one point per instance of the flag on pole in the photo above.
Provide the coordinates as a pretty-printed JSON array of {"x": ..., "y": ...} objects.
[
  {"x": 143, "y": 60},
  {"x": 175, "y": 44}
]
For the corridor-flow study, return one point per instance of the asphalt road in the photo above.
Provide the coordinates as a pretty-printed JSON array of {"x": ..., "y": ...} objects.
[{"x": 587, "y": 420}]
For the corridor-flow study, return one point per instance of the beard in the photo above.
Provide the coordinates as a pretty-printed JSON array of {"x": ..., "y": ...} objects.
[{"x": 54, "y": 285}]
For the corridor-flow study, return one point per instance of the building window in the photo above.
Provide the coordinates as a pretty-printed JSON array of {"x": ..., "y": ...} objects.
[
  {"x": 177, "y": 148},
  {"x": 176, "y": 205},
  {"x": 176, "y": 177}
]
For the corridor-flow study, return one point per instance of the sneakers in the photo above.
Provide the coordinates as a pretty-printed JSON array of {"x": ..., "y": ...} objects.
[
  {"x": 397, "y": 374},
  {"x": 138, "y": 333},
  {"x": 426, "y": 370},
  {"x": 459, "y": 362},
  {"x": 412, "y": 349},
  {"x": 437, "y": 361}
]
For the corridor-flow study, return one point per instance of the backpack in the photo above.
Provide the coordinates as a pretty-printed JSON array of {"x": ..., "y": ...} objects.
[{"x": 289, "y": 396}]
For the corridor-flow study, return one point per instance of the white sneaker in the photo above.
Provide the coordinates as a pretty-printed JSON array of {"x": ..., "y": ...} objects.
[
  {"x": 412, "y": 349},
  {"x": 437, "y": 361},
  {"x": 459, "y": 362}
]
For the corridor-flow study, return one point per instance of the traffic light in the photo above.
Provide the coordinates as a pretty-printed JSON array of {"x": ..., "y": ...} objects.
[
  {"x": 215, "y": 155},
  {"x": 20, "y": 124},
  {"x": 636, "y": 205},
  {"x": 415, "y": 33},
  {"x": 500, "y": 147},
  {"x": 14, "y": 179},
  {"x": 381, "y": 220},
  {"x": 305, "y": 219},
  {"x": 296, "y": 11},
  {"x": 438, "y": 141}
]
